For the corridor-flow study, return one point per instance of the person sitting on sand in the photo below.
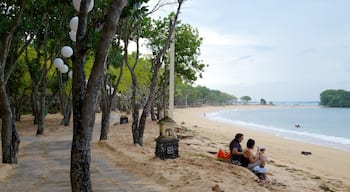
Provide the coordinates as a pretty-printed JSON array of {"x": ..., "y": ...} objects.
[
  {"x": 236, "y": 149},
  {"x": 249, "y": 160}
]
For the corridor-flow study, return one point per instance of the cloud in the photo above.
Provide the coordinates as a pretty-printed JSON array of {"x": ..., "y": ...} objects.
[{"x": 212, "y": 37}]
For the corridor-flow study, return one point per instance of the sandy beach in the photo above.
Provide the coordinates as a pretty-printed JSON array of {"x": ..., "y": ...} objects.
[
  {"x": 327, "y": 167},
  {"x": 198, "y": 169}
]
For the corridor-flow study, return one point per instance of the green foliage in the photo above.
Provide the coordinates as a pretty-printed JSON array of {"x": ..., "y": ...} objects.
[
  {"x": 187, "y": 95},
  {"x": 19, "y": 81},
  {"x": 134, "y": 9},
  {"x": 143, "y": 75},
  {"x": 262, "y": 101},
  {"x": 41, "y": 16},
  {"x": 335, "y": 98},
  {"x": 8, "y": 12},
  {"x": 187, "y": 51},
  {"x": 187, "y": 46},
  {"x": 245, "y": 99}
]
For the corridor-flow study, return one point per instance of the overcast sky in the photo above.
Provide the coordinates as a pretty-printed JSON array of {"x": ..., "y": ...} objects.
[{"x": 279, "y": 50}]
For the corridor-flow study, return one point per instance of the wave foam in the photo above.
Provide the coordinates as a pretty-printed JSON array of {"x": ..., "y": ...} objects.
[{"x": 335, "y": 141}]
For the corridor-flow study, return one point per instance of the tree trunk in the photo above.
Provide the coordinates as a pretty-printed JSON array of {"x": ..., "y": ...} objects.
[
  {"x": 9, "y": 136},
  {"x": 84, "y": 101},
  {"x": 135, "y": 109},
  {"x": 41, "y": 116},
  {"x": 107, "y": 99},
  {"x": 157, "y": 65},
  {"x": 153, "y": 114},
  {"x": 43, "y": 83},
  {"x": 106, "y": 115},
  {"x": 135, "y": 106},
  {"x": 146, "y": 108},
  {"x": 135, "y": 129},
  {"x": 19, "y": 107},
  {"x": 80, "y": 151},
  {"x": 67, "y": 112}
]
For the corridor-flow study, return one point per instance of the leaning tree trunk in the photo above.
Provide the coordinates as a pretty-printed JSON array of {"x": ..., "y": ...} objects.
[
  {"x": 106, "y": 104},
  {"x": 135, "y": 106},
  {"x": 146, "y": 108},
  {"x": 157, "y": 64},
  {"x": 84, "y": 101}
]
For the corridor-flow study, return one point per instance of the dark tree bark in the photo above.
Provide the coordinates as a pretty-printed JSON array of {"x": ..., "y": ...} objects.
[
  {"x": 65, "y": 100},
  {"x": 84, "y": 101},
  {"x": 106, "y": 102},
  {"x": 67, "y": 111},
  {"x": 9, "y": 136},
  {"x": 153, "y": 113},
  {"x": 135, "y": 106},
  {"x": 106, "y": 114},
  {"x": 43, "y": 85}
]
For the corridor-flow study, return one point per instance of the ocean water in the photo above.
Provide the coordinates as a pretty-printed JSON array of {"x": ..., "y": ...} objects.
[{"x": 318, "y": 125}]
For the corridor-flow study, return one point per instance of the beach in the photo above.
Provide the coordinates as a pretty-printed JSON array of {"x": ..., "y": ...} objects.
[
  {"x": 199, "y": 169},
  {"x": 327, "y": 161}
]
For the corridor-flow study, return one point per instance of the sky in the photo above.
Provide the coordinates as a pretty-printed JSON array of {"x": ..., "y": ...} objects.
[{"x": 279, "y": 50}]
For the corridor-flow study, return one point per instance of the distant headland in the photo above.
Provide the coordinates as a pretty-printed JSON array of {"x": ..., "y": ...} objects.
[{"x": 335, "y": 98}]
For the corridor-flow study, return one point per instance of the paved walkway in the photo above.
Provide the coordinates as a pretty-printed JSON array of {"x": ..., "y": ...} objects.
[{"x": 44, "y": 167}]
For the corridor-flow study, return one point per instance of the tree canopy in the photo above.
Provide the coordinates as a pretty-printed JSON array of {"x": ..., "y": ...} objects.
[
  {"x": 245, "y": 99},
  {"x": 335, "y": 98}
]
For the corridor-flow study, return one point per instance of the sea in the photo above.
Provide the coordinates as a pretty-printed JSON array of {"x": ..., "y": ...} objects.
[{"x": 318, "y": 125}]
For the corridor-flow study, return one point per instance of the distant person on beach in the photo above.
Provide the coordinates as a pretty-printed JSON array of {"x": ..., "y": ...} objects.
[
  {"x": 236, "y": 149},
  {"x": 251, "y": 160}
]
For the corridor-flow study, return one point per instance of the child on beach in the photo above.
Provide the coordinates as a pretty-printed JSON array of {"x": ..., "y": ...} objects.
[{"x": 262, "y": 154}]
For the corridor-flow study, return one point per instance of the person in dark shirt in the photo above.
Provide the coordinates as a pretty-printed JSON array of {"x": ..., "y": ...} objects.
[{"x": 236, "y": 149}]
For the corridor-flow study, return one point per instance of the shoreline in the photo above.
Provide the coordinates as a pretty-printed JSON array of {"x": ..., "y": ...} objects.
[
  {"x": 324, "y": 161},
  {"x": 320, "y": 139}
]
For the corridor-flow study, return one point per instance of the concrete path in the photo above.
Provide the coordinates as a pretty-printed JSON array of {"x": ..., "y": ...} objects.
[{"x": 44, "y": 166}]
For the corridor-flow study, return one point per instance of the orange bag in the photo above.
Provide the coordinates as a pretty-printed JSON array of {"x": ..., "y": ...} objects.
[{"x": 224, "y": 154}]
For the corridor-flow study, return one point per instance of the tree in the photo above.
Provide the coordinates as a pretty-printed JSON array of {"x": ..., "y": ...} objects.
[
  {"x": 262, "y": 101},
  {"x": 85, "y": 99},
  {"x": 9, "y": 136},
  {"x": 157, "y": 63},
  {"x": 245, "y": 99},
  {"x": 187, "y": 50},
  {"x": 335, "y": 98},
  {"x": 130, "y": 29},
  {"x": 109, "y": 89}
]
